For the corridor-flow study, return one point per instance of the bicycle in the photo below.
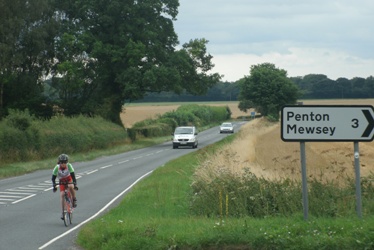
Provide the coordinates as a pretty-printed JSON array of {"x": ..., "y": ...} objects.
[{"x": 68, "y": 205}]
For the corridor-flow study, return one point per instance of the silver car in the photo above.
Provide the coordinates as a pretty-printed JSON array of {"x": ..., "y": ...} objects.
[{"x": 226, "y": 127}]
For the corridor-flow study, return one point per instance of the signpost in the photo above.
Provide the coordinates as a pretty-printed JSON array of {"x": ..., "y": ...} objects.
[{"x": 328, "y": 123}]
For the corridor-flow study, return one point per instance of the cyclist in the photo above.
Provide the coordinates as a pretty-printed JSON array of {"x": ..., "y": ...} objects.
[{"x": 65, "y": 173}]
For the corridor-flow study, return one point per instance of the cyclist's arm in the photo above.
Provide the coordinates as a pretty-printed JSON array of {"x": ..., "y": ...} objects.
[
  {"x": 54, "y": 175},
  {"x": 71, "y": 170},
  {"x": 73, "y": 177}
]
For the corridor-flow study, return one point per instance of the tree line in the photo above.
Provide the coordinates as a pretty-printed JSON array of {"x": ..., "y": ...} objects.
[{"x": 311, "y": 86}]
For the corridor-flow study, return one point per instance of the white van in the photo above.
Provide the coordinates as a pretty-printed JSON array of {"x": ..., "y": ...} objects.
[{"x": 185, "y": 136}]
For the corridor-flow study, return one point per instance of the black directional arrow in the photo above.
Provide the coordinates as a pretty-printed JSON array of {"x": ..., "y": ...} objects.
[{"x": 370, "y": 119}]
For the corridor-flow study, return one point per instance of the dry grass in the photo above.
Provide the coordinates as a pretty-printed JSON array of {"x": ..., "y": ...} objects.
[{"x": 259, "y": 147}]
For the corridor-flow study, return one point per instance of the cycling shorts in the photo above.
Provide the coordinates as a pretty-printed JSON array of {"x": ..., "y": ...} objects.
[{"x": 62, "y": 181}]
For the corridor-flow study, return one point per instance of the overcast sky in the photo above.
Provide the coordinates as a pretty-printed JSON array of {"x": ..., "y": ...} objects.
[{"x": 334, "y": 38}]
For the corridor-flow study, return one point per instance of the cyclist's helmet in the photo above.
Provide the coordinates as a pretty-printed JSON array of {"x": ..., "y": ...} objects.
[{"x": 63, "y": 158}]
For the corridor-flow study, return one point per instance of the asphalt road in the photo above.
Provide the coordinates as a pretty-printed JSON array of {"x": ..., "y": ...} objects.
[{"x": 30, "y": 211}]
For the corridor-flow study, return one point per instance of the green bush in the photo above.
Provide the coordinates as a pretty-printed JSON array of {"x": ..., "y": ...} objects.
[
  {"x": 23, "y": 138},
  {"x": 152, "y": 128},
  {"x": 182, "y": 118},
  {"x": 21, "y": 120}
]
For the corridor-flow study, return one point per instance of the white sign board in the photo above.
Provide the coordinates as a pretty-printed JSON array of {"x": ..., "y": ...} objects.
[{"x": 327, "y": 123}]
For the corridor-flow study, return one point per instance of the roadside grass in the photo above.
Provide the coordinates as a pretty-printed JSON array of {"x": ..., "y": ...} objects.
[
  {"x": 21, "y": 167},
  {"x": 156, "y": 214}
]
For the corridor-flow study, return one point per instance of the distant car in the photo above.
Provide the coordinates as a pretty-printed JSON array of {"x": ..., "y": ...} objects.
[
  {"x": 185, "y": 136},
  {"x": 226, "y": 127}
]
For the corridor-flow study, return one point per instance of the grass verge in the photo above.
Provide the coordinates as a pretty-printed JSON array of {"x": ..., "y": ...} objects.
[
  {"x": 156, "y": 215},
  {"x": 19, "y": 168}
]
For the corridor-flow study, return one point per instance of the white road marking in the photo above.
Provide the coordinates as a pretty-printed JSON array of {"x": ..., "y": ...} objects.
[
  {"x": 122, "y": 162},
  {"x": 14, "y": 193},
  {"x": 21, "y": 189},
  {"x": 93, "y": 171},
  {"x": 108, "y": 166},
  {"x": 14, "y": 202},
  {"x": 95, "y": 215},
  {"x": 1, "y": 199},
  {"x": 10, "y": 196}
]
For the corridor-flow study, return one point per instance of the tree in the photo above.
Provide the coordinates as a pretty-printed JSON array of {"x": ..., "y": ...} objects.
[
  {"x": 130, "y": 49},
  {"x": 267, "y": 89},
  {"x": 27, "y": 31}
]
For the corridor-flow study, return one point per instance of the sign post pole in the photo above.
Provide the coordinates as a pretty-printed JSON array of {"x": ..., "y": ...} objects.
[
  {"x": 304, "y": 180},
  {"x": 358, "y": 180}
]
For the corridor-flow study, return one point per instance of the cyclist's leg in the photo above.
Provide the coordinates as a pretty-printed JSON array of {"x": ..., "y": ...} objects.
[
  {"x": 62, "y": 203},
  {"x": 72, "y": 192}
]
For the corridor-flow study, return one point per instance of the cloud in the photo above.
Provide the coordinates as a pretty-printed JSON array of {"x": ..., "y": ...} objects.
[
  {"x": 334, "y": 38},
  {"x": 297, "y": 62}
]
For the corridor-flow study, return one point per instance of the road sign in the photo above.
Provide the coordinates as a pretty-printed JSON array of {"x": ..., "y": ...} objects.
[{"x": 327, "y": 123}]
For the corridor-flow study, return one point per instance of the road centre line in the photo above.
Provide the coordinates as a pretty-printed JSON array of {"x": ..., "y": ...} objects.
[
  {"x": 93, "y": 171},
  {"x": 122, "y": 162},
  {"x": 107, "y": 166}
]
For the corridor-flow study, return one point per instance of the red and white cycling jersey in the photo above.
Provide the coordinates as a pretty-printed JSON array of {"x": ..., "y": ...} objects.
[{"x": 63, "y": 174}]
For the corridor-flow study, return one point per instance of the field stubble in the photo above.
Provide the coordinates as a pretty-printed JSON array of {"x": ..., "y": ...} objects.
[{"x": 260, "y": 149}]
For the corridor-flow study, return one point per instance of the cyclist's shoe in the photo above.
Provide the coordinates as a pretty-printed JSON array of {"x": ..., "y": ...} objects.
[
  {"x": 75, "y": 202},
  {"x": 62, "y": 217}
]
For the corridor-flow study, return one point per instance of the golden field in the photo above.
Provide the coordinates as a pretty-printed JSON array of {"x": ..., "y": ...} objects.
[
  {"x": 135, "y": 113},
  {"x": 259, "y": 147}
]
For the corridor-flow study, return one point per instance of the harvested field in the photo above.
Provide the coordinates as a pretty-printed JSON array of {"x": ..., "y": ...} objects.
[{"x": 136, "y": 113}]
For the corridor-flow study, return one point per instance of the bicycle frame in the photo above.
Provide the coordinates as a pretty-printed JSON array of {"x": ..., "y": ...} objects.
[{"x": 68, "y": 205}]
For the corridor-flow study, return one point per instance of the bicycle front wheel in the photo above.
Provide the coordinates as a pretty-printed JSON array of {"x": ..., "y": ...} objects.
[{"x": 67, "y": 219}]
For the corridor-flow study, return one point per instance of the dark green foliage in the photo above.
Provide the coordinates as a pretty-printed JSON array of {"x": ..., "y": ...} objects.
[
  {"x": 27, "y": 48},
  {"x": 267, "y": 89},
  {"x": 182, "y": 118},
  {"x": 222, "y": 91},
  {"x": 99, "y": 54},
  {"x": 132, "y": 47},
  {"x": 19, "y": 119},
  {"x": 24, "y": 138}
]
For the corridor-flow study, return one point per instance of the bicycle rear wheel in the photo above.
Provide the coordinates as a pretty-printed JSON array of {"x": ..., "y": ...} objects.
[{"x": 70, "y": 216}]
